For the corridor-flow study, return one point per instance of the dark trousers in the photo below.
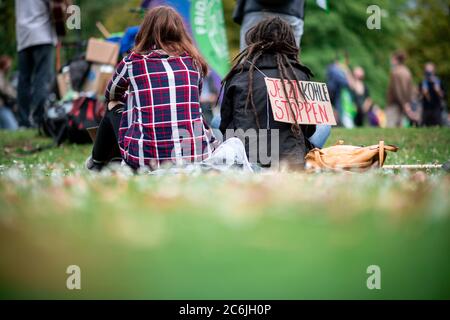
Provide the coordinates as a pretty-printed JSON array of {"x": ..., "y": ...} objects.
[
  {"x": 432, "y": 117},
  {"x": 106, "y": 145},
  {"x": 36, "y": 65}
]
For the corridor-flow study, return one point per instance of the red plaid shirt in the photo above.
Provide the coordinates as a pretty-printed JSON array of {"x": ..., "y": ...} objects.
[{"x": 163, "y": 120}]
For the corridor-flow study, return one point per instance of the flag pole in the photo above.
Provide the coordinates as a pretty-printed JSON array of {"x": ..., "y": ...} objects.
[{"x": 412, "y": 166}]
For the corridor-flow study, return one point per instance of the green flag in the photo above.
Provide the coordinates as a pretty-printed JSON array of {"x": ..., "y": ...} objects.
[{"x": 208, "y": 29}]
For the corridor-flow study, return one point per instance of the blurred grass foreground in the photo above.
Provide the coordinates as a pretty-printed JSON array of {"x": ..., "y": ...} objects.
[{"x": 233, "y": 236}]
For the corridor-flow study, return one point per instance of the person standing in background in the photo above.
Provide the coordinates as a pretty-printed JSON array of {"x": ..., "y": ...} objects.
[
  {"x": 36, "y": 40},
  {"x": 432, "y": 95},
  {"x": 337, "y": 80},
  {"x": 249, "y": 13},
  {"x": 400, "y": 93},
  {"x": 208, "y": 99}
]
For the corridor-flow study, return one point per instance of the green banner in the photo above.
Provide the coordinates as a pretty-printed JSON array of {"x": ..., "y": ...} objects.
[{"x": 208, "y": 29}]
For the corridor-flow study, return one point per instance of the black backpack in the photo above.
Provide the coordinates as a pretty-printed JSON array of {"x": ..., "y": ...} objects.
[{"x": 69, "y": 120}]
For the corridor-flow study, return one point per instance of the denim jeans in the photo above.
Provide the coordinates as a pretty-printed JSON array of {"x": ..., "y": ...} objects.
[
  {"x": 253, "y": 18},
  {"x": 36, "y": 66},
  {"x": 319, "y": 138},
  {"x": 7, "y": 119}
]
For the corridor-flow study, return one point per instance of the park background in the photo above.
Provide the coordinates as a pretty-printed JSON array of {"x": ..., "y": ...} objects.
[{"x": 420, "y": 27}]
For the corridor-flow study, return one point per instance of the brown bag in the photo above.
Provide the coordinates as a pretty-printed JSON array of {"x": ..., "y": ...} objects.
[{"x": 346, "y": 157}]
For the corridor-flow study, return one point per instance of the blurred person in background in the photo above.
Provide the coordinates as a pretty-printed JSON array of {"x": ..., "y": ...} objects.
[
  {"x": 361, "y": 96},
  {"x": 248, "y": 13},
  {"x": 400, "y": 93},
  {"x": 337, "y": 80},
  {"x": 7, "y": 96},
  {"x": 36, "y": 38},
  {"x": 208, "y": 98},
  {"x": 416, "y": 106},
  {"x": 432, "y": 96},
  {"x": 208, "y": 101}
]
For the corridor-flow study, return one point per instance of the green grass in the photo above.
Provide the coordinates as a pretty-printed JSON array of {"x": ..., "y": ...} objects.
[
  {"x": 416, "y": 146},
  {"x": 269, "y": 236}
]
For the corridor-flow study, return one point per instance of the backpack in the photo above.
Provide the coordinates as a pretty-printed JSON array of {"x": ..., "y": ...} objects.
[
  {"x": 69, "y": 120},
  {"x": 348, "y": 158},
  {"x": 86, "y": 113}
]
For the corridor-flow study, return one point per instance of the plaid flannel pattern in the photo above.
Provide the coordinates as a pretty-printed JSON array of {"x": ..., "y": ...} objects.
[{"x": 163, "y": 120}]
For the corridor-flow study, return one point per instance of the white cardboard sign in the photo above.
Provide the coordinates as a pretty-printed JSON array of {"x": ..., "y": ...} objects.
[{"x": 311, "y": 107}]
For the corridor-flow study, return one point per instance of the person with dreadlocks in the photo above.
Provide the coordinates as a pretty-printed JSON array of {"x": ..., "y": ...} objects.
[{"x": 271, "y": 52}]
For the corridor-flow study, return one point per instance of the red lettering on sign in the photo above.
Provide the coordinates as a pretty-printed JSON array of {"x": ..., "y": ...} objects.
[
  {"x": 308, "y": 110},
  {"x": 323, "y": 113},
  {"x": 315, "y": 113},
  {"x": 295, "y": 109},
  {"x": 290, "y": 89},
  {"x": 279, "y": 114},
  {"x": 273, "y": 93},
  {"x": 301, "y": 107},
  {"x": 288, "y": 110}
]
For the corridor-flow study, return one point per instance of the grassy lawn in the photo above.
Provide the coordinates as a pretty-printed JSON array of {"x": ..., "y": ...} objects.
[{"x": 232, "y": 236}]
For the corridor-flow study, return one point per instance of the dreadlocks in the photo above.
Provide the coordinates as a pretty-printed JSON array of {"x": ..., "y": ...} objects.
[{"x": 273, "y": 36}]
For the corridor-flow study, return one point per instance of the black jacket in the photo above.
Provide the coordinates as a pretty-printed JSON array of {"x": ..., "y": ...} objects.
[
  {"x": 235, "y": 115},
  {"x": 294, "y": 8}
]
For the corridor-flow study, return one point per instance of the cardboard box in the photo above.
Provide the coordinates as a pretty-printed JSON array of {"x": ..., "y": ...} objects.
[
  {"x": 62, "y": 86},
  {"x": 98, "y": 78},
  {"x": 63, "y": 81},
  {"x": 103, "y": 52}
]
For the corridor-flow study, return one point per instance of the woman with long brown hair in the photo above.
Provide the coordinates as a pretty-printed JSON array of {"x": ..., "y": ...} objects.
[{"x": 154, "y": 115}]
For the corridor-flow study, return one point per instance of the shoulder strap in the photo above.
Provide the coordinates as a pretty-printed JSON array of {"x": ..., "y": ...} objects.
[
  {"x": 267, "y": 98},
  {"x": 259, "y": 70}
]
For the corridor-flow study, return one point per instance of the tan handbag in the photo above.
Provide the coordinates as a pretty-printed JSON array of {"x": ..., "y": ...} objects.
[{"x": 346, "y": 157}]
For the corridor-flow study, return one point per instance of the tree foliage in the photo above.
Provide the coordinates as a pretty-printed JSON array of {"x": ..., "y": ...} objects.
[
  {"x": 430, "y": 39},
  {"x": 342, "y": 31},
  {"x": 8, "y": 31}
]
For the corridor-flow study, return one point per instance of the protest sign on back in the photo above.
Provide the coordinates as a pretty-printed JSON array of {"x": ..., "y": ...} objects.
[{"x": 310, "y": 102}]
